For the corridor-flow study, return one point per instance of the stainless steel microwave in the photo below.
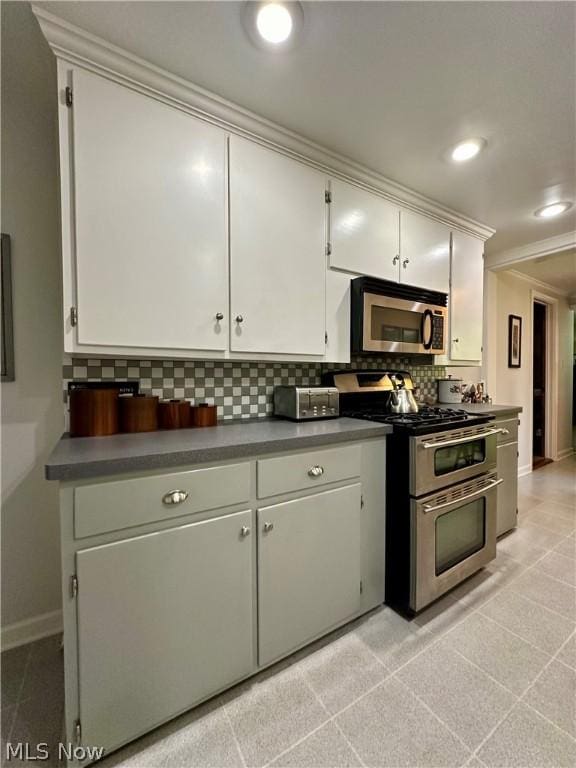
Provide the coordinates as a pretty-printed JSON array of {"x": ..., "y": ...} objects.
[{"x": 392, "y": 317}]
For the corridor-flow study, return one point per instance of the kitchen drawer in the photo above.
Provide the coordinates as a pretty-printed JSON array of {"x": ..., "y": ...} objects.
[
  {"x": 307, "y": 470},
  {"x": 511, "y": 436},
  {"x": 112, "y": 506}
]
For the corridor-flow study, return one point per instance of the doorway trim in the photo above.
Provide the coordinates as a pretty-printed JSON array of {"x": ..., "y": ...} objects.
[{"x": 551, "y": 399}]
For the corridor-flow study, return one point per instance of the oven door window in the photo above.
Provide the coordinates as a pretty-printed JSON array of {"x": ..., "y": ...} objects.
[
  {"x": 455, "y": 457},
  {"x": 389, "y": 324},
  {"x": 459, "y": 534}
]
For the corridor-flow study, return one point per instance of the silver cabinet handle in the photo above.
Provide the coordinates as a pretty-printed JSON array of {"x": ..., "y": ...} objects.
[
  {"x": 396, "y": 259},
  {"x": 244, "y": 531},
  {"x": 268, "y": 527},
  {"x": 239, "y": 319},
  {"x": 458, "y": 440},
  {"x": 406, "y": 261},
  {"x": 219, "y": 316},
  {"x": 479, "y": 492},
  {"x": 316, "y": 471},
  {"x": 505, "y": 431},
  {"x": 174, "y": 497}
]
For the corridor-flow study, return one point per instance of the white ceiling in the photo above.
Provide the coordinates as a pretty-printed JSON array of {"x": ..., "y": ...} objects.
[
  {"x": 558, "y": 270},
  {"x": 392, "y": 85}
]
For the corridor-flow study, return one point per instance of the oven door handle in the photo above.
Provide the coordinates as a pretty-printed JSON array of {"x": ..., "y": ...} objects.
[
  {"x": 479, "y": 492},
  {"x": 459, "y": 440}
]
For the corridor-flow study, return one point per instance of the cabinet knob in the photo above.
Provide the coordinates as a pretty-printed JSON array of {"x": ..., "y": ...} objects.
[
  {"x": 396, "y": 259},
  {"x": 174, "y": 497},
  {"x": 406, "y": 261},
  {"x": 239, "y": 319},
  {"x": 268, "y": 527},
  {"x": 219, "y": 316},
  {"x": 456, "y": 341},
  {"x": 244, "y": 531},
  {"x": 316, "y": 471}
]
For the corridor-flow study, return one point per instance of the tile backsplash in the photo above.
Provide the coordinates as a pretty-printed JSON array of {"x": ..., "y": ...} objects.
[{"x": 239, "y": 389}]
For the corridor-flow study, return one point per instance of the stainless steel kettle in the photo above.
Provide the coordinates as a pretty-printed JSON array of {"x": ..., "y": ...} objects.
[{"x": 402, "y": 401}]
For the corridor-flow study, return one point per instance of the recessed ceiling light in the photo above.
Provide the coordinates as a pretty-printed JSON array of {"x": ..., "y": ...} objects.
[
  {"x": 274, "y": 23},
  {"x": 554, "y": 209},
  {"x": 466, "y": 150}
]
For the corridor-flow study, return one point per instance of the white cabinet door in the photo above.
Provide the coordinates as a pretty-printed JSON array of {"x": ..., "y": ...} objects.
[
  {"x": 424, "y": 252},
  {"x": 150, "y": 224},
  {"x": 164, "y": 620},
  {"x": 308, "y": 568},
  {"x": 364, "y": 232},
  {"x": 277, "y": 252},
  {"x": 466, "y": 297}
]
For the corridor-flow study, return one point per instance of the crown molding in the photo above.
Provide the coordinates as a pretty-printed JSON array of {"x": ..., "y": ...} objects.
[
  {"x": 537, "y": 249},
  {"x": 79, "y": 47},
  {"x": 538, "y": 283}
]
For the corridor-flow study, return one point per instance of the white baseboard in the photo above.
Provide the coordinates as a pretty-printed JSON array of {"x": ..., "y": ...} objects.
[
  {"x": 564, "y": 453},
  {"x": 525, "y": 470},
  {"x": 22, "y": 632}
]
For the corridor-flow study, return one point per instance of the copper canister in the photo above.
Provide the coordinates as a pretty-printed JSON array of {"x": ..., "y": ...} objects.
[
  {"x": 138, "y": 413},
  {"x": 174, "y": 414},
  {"x": 204, "y": 415},
  {"x": 93, "y": 412}
]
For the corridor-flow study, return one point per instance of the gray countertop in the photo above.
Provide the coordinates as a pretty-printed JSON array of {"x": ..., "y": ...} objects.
[
  {"x": 497, "y": 410},
  {"x": 81, "y": 457}
]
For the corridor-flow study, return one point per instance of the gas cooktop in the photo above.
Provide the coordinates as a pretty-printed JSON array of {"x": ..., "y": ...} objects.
[{"x": 426, "y": 415}]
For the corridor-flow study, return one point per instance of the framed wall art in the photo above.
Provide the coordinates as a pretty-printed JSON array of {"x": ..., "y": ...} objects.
[
  {"x": 514, "y": 341},
  {"x": 7, "y": 322}
]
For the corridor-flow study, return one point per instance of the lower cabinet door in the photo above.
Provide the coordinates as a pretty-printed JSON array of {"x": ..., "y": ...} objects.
[
  {"x": 308, "y": 568},
  {"x": 164, "y": 620},
  {"x": 507, "y": 468}
]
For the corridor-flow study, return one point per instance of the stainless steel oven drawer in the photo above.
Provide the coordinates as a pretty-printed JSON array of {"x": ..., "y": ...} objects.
[
  {"x": 444, "y": 458},
  {"x": 453, "y": 536}
]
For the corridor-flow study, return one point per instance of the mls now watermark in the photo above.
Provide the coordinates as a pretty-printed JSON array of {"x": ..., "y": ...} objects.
[{"x": 23, "y": 750}]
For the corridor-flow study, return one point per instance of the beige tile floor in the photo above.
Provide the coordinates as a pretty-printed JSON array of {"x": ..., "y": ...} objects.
[{"x": 485, "y": 677}]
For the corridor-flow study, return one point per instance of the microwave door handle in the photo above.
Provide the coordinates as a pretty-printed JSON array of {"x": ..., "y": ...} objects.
[
  {"x": 427, "y": 343},
  {"x": 479, "y": 492},
  {"x": 459, "y": 440}
]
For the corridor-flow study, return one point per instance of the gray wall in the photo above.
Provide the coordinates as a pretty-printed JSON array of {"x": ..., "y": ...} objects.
[{"x": 32, "y": 418}]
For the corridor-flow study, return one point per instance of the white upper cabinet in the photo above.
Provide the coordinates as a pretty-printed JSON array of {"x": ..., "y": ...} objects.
[
  {"x": 277, "y": 253},
  {"x": 364, "y": 232},
  {"x": 150, "y": 221},
  {"x": 424, "y": 252},
  {"x": 466, "y": 297}
]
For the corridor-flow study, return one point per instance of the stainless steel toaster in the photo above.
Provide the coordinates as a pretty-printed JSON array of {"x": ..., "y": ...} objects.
[{"x": 301, "y": 403}]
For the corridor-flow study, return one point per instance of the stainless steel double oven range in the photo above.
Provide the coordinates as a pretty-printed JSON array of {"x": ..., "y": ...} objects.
[{"x": 441, "y": 489}]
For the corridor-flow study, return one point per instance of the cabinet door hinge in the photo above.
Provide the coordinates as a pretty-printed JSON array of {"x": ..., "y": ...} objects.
[
  {"x": 361, "y": 587},
  {"x": 326, "y": 338},
  {"x": 73, "y": 586},
  {"x": 68, "y": 96},
  {"x": 328, "y": 249},
  {"x": 73, "y": 316},
  {"x": 361, "y": 502},
  {"x": 77, "y": 733},
  {"x": 327, "y": 196}
]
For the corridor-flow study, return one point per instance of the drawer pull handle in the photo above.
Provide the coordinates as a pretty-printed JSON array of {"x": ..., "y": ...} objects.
[
  {"x": 244, "y": 531},
  {"x": 316, "y": 471},
  {"x": 505, "y": 431},
  {"x": 268, "y": 527},
  {"x": 174, "y": 497}
]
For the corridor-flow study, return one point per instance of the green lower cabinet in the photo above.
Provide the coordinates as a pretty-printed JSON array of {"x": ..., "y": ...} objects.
[
  {"x": 309, "y": 567},
  {"x": 164, "y": 620}
]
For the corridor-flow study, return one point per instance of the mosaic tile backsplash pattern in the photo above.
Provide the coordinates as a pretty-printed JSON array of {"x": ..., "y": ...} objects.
[{"x": 239, "y": 389}]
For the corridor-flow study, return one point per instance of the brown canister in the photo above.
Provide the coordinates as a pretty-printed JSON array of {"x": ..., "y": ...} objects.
[
  {"x": 138, "y": 413},
  {"x": 204, "y": 415},
  {"x": 174, "y": 414},
  {"x": 93, "y": 412}
]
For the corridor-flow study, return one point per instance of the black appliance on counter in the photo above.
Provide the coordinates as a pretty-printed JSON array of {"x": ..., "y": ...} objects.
[{"x": 440, "y": 488}]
